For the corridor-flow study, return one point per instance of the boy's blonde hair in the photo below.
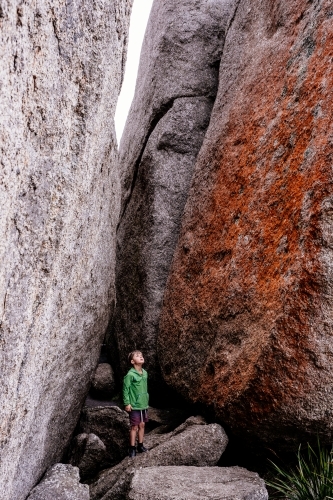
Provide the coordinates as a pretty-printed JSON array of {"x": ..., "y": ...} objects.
[{"x": 131, "y": 355}]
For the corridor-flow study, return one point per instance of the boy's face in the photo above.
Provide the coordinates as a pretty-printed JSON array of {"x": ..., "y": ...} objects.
[{"x": 137, "y": 359}]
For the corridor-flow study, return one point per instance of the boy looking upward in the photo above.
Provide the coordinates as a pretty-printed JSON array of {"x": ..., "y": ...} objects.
[{"x": 136, "y": 397}]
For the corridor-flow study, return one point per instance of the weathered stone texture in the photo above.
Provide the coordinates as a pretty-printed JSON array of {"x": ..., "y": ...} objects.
[
  {"x": 61, "y": 482},
  {"x": 247, "y": 325},
  {"x": 196, "y": 483},
  {"x": 175, "y": 91},
  {"x": 61, "y": 70}
]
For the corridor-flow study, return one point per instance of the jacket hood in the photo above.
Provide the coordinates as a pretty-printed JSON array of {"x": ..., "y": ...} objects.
[{"x": 133, "y": 370}]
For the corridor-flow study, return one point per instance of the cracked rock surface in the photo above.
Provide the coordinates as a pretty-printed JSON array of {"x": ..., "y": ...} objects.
[
  {"x": 61, "y": 70},
  {"x": 175, "y": 91},
  {"x": 247, "y": 324}
]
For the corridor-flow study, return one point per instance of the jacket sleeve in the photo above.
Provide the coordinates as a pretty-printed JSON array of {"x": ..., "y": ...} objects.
[{"x": 126, "y": 386}]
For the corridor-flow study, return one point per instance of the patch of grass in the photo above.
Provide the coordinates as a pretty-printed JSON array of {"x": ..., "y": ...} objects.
[{"x": 312, "y": 479}]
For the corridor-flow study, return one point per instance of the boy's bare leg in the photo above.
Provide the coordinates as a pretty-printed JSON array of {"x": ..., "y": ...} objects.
[
  {"x": 141, "y": 432},
  {"x": 133, "y": 431}
]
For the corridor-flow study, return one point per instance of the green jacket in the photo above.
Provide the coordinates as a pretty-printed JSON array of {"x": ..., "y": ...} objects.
[{"x": 135, "y": 390}]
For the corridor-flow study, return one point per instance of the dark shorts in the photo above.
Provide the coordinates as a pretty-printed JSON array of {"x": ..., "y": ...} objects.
[{"x": 138, "y": 416}]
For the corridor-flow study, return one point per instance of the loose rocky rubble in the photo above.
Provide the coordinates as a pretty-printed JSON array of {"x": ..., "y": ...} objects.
[
  {"x": 179, "y": 464},
  {"x": 193, "y": 443}
]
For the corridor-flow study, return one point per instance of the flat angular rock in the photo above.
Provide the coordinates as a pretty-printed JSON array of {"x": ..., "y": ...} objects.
[
  {"x": 196, "y": 483},
  {"x": 103, "y": 383},
  {"x": 111, "y": 425},
  {"x": 175, "y": 91},
  {"x": 61, "y": 69},
  {"x": 190, "y": 444},
  {"x": 88, "y": 453},
  {"x": 61, "y": 482},
  {"x": 162, "y": 433},
  {"x": 248, "y": 319}
]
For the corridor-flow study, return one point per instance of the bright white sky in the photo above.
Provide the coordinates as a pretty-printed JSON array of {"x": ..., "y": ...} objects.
[{"x": 139, "y": 18}]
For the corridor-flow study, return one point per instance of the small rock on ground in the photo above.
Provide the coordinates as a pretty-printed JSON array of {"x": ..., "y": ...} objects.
[
  {"x": 61, "y": 482},
  {"x": 103, "y": 383}
]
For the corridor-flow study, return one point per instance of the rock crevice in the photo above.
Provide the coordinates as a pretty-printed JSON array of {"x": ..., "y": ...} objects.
[{"x": 175, "y": 92}]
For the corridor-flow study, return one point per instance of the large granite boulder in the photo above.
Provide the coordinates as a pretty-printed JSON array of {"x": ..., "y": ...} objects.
[
  {"x": 192, "y": 443},
  {"x": 61, "y": 69},
  {"x": 175, "y": 91},
  {"x": 248, "y": 320},
  {"x": 61, "y": 482},
  {"x": 196, "y": 483}
]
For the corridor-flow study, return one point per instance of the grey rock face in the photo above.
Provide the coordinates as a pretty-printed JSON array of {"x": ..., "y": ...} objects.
[
  {"x": 88, "y": 454},
  {"x": 61, "y": 69},
  {"x": 196, "y": 483},
  {"x": 103, "y": 382},
  {"x": 175, "y": 91},
  {"x": 61, "y": 482},
  {"x": 190, "y": 444},
  {"x": 111, "y": 425}
]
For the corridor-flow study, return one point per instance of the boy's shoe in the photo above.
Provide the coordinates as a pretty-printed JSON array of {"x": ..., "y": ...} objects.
[
  {"x": 141, "y": 448},
  {"x": 132, "y": 452}
]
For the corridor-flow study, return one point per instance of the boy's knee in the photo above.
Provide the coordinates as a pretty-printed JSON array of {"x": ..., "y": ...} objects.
[
  {"x": 134, "y": 427},
  {"x": 142, "y": 425}
]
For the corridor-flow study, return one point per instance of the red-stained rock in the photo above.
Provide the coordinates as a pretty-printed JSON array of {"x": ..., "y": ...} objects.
[{"x": 247, "y": 325}]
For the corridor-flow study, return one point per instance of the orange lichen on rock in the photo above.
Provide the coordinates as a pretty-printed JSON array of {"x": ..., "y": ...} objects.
[{"x": 247, "y": 323}]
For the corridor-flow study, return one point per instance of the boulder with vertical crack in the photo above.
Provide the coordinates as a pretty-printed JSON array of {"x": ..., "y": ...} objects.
[{"x": 175, "y": 92}]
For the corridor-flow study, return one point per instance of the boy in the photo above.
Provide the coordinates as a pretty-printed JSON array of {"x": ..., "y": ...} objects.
[{"x": 136, "y": 399}]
